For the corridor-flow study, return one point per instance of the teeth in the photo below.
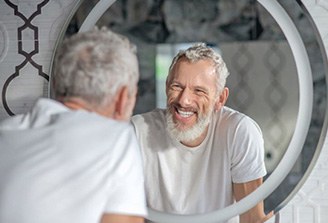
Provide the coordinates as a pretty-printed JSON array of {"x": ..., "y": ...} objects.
[{"x": 185, "y": 114}]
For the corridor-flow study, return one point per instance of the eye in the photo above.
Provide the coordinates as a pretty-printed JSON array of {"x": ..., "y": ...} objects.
[
  {"x": 176, "y": 87},
  {"x": 200, "y": 91}
]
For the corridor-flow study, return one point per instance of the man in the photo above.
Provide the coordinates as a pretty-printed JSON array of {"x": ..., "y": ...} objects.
[
  {"x": 199, "y": 156},
  {"x": 76, "y": 159}
]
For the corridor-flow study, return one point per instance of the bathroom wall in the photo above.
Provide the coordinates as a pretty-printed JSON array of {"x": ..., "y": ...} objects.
[{"x": 28, "y": 32}]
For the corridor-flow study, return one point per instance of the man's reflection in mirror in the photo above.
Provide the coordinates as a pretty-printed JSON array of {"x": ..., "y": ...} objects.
[{"x": 199, "y": 155}]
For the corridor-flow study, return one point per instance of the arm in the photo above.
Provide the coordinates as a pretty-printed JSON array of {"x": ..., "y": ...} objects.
[
  {"x": 256, "y": 214},
  {"x": 126, "y": 201},
  {"x": 116, "y": 218}
]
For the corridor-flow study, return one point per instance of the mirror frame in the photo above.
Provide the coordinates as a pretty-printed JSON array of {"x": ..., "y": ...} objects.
[{"x": 301, "y": 129}]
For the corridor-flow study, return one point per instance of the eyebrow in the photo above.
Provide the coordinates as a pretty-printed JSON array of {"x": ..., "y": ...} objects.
[
  {"x": 202, "y": 88},
  {"x": 195, "y": 87}
]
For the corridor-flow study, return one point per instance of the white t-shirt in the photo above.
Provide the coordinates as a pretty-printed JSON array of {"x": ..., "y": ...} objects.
[
  {"x": 197, "y": 180},
  {"x": 59, "y": 165}
]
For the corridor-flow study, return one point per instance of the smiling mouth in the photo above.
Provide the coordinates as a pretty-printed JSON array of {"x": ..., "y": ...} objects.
[{"x": 184, "y": 114}]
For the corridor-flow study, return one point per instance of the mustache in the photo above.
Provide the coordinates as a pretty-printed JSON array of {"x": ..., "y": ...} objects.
[{"x": 177, "y": 106}]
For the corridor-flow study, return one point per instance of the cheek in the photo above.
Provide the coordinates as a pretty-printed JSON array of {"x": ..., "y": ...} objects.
[
  {"x": 171, "y": 96},
  {"x": 205, "y": 104}
]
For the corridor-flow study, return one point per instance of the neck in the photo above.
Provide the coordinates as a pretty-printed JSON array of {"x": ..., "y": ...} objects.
[
  {"x": 197, "y": 141},
  {"x": 76, "y": 104},
  {"x": 80, "y": 104}
]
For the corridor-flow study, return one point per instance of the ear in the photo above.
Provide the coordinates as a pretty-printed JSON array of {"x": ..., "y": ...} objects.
[
  {"x": 121, "y": 101},
  {"x": 222, "y": 99}
]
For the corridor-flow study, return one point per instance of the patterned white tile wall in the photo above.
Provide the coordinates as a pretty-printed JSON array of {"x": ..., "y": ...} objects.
[{"x": 29, "y": 30}]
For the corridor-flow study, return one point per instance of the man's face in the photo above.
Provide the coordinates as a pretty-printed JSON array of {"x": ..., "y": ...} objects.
[{"x": 191, "y": 95}]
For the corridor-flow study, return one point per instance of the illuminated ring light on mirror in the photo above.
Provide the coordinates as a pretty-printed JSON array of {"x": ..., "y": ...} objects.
[
  {"x": 296, "y": 143},
  {"x": 95, "y": 14}
]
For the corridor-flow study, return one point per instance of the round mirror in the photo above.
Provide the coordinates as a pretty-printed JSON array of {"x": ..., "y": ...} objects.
[{"x": 264, "y": 81}]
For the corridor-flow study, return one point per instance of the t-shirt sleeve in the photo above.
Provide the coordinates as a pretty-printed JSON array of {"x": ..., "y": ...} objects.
[
  {"x": 247, "y": 161},
  {"x": 128, "y": 193}
]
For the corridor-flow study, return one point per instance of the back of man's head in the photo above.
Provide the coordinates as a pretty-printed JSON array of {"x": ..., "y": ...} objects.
[{"x": 93, "y": 66}]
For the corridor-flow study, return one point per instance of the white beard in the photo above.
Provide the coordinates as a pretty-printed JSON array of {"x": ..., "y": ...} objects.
[{"x": 190, "y": 134}]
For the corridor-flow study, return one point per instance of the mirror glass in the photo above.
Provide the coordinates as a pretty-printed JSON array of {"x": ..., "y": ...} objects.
[{"x": 263, "y": 78}]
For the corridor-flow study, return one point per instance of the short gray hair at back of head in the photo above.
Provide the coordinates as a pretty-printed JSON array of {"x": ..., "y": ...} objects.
[
  {"x": 200, "y": 51},
  {"x": 93, "y": 65}
]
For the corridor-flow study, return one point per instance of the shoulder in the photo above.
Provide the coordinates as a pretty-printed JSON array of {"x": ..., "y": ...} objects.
[
  {"x": 148, "y": 124},
  {"x": 155, "y": 117},
  {"x": 235, "y": 120},
  {"x": 101, "y": 122},
  {"x": 84, "y": 123},
  {"x": 229, "y": 114},
  {"x": 11, "y": 122}
]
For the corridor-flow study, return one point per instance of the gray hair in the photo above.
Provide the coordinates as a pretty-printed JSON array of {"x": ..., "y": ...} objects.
[
  {"x": 200, "y": 51},
  {"x": 93, "y": 65}
]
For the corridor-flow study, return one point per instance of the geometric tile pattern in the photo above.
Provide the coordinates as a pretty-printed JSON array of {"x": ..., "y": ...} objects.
[
  {"x": 29, "y": 31},
  {"x": 275, "y": 95},
  {"x": 242, "y": 61},
  {"x": 310, "y": 204},
  {"x": 273, "y": 103},
  {"x": 26, "y": 29}
]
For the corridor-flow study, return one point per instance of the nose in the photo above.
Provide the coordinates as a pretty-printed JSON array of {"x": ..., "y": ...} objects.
[{"x": 185, "y": 98}]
